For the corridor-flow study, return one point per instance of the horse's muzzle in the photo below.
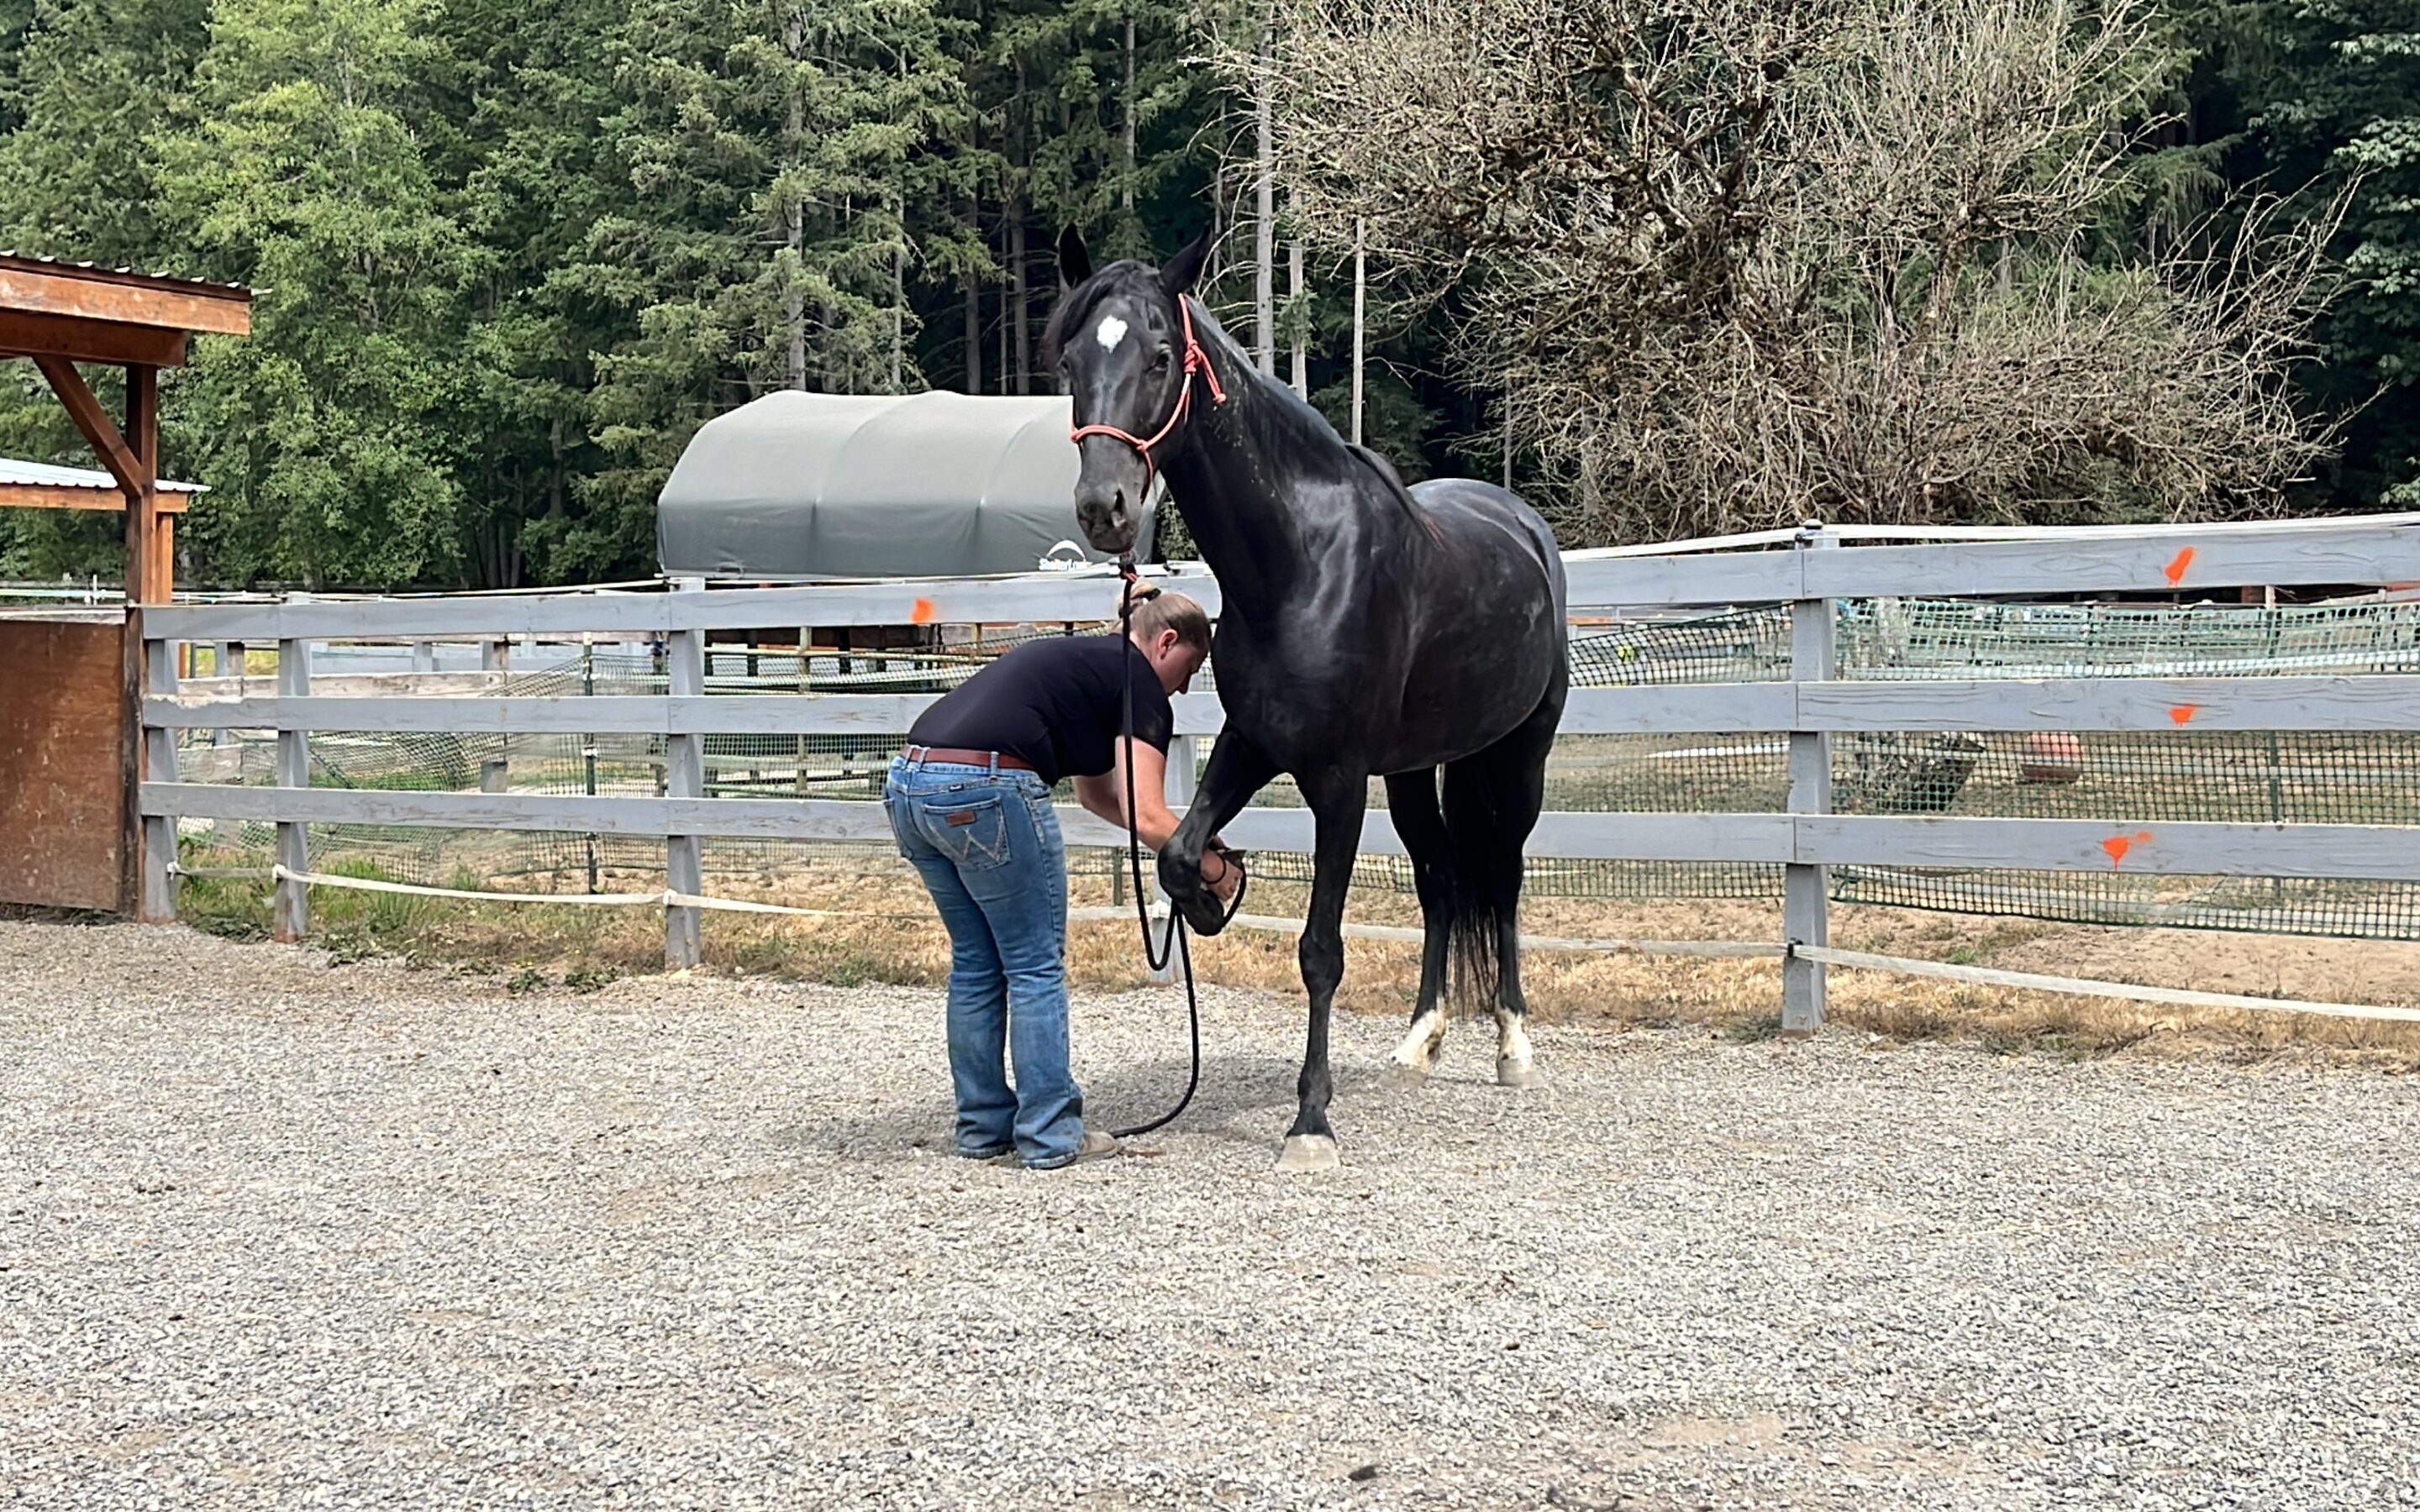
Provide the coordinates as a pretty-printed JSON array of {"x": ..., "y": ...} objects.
[{"x": 1111, "y": 515}]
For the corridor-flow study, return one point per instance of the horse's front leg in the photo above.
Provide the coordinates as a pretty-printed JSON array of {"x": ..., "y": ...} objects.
[
  {"x": 1236, "y": 771},
  {"x": 1338, "y": 802}
]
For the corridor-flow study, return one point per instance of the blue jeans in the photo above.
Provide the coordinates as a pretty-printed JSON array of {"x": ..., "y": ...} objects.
[{"x": 986, "y": 843}]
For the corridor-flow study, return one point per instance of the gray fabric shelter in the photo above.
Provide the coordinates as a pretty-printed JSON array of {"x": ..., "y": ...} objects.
[{"x": 933, "y": 485}]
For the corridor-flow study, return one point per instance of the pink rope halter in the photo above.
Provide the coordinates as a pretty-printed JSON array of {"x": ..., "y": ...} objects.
[{"x": 1196, "y": 360}]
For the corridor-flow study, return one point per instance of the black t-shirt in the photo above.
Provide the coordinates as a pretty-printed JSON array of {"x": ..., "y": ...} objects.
[{"x": 1056, "y": 703}]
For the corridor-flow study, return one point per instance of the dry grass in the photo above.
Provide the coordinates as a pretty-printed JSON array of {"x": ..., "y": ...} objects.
[{"x": 898, "y": 940}]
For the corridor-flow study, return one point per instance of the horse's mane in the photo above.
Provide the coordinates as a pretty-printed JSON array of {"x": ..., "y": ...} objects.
[{"x": 1394, "y": 484}]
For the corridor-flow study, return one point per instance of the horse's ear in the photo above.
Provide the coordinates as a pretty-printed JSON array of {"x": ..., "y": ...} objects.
[
  {"x": 1180, "y": 272},
  {"x": 1075, "y": 263}
]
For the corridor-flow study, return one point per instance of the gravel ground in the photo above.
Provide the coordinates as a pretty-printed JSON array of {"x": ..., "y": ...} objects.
[{"x": 278, "y": 1234}]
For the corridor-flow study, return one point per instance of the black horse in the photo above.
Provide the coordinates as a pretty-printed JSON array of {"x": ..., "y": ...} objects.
[{"x": 1366, "y": 631}]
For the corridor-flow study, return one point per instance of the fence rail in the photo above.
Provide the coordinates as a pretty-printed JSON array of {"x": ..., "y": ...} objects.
[
  {"x": 1811, "y": 575},
  {"x": 2016, "y": 704}
]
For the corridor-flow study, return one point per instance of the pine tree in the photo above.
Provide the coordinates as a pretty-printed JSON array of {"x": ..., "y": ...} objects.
[
  {"x": 83, "y": 85},
  {"x": 516, "y": 141},
  {"x": 323, "y": 436},
  {"x": 2340, "y": 112}
]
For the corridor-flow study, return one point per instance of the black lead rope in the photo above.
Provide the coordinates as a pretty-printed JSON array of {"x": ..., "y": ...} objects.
[{"x": 1173, "y": 943}]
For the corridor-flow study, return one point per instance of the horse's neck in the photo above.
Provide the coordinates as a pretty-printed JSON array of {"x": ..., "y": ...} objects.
[{"x": 1230, "y": 481}]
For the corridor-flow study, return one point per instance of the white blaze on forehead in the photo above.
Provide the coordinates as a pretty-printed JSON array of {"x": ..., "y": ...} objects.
[{"x": 1110, "y": 331}]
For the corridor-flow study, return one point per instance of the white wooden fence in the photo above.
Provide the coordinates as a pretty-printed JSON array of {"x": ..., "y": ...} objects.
[{"x": 1810, "y": 569}]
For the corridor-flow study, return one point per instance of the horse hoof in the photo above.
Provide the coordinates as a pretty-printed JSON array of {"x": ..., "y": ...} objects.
[
  {"x": 1404, "y": 1076},
  {"x": 1516, "y": 1073},
  {"x": 1204, "y": 919},
  {"x": 1307, "y": 1153}
]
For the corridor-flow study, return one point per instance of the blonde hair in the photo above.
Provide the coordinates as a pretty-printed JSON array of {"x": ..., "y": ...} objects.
[{"x": 1166, "y": 611}]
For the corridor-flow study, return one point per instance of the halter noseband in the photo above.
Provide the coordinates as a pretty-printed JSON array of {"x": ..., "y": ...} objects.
[{"x": 1196, "y": 360}]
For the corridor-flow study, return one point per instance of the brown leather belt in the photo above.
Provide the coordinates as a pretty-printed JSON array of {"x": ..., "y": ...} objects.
[{"x": 962, "y": 757}]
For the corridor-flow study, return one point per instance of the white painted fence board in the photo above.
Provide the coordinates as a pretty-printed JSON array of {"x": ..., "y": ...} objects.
[
  {"x": 1663, "y": 837},
  {"x": 449, "y": 617},
  {"x": 1736, "y": 578},
  {"x": 1044, "y": 598},
  {"x": 2137, "y": 703},
  {"x": 827, "y": 818},
  {"x": 345, "y": 685},
  {"x": 2337, "y": 552},
  {"x": 885, "y": 714},
  {"x": 2201, "y": 848},
  {"x": 1705, "y": 708},
  {"x": 2186, "y": 848}
]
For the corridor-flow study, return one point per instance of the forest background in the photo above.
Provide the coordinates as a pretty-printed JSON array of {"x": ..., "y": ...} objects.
[{"x": 1670, "y": 267}]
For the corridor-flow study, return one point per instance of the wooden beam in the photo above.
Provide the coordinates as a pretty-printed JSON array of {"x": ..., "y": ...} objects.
[
  {"x": 164, "y": 554},
  {"x": 91, "y": 419},
  {"x": 25, "y": 334},
  {"x": 145, "y": 583},
  {"x": 93, "y": 294},
  {"x": 71, "y": 496}
]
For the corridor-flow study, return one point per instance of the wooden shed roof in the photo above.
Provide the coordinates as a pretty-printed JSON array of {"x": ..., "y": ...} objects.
[{"x": 89, "y": 314}]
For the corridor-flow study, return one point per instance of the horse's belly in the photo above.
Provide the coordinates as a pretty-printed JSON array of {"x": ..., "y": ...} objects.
[{"x": 1305, "y": 722}]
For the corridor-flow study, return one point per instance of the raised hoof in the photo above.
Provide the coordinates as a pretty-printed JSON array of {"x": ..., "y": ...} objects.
[
  {"x": 1308, "y": 1153},
  {"x": 1404, "y": 1076},
  {"x": 1204, "y": 915},
  {"x": 1516, "y": 1073}
]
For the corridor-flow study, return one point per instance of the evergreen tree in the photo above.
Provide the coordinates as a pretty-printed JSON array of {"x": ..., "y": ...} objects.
[
  {"x": 2337, "y": 108},
  {"x": 521, "y": 100},
  {"x": 764, "y": 239},
  {"x": 83, "y": 83},
  {"x": 323, "y": 436}
]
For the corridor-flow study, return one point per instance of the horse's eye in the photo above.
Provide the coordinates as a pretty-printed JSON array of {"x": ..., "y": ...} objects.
[{"x": 1159, "y": 358}]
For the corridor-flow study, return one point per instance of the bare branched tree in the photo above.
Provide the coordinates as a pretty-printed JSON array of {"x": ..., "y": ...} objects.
[{"x": 1735, "y": 263}]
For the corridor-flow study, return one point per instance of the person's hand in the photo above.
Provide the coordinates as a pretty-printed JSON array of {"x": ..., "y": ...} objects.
[{"x": 1222, "y": 874}]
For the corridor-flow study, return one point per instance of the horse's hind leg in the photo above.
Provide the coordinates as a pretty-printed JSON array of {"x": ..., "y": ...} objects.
[
  {"x": 1412, "y": 804},
  {"x": 1513, "y": 771}
]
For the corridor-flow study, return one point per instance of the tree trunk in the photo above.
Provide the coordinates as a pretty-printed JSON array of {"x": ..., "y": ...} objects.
[
  {"x": 794, "y": 309},
  {"x": 1016, "y": 292},
  {"x": 1360, "y": 287},
  {"x": 1212, "y": 265},
  {"x": 1017, "y": 316},
  {"x": 1126, "y": 193},
  {"x": 1265, "y": 231},
  {"x": 974, "y": 308},
  {"x": 1300, "y": 317}
]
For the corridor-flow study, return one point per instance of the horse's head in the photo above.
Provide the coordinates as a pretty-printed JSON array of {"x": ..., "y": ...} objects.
[{"x": 1120, "y": 339}]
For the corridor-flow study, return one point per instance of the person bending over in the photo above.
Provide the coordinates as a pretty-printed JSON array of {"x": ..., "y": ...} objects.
[{"x": 969, "y": 803}]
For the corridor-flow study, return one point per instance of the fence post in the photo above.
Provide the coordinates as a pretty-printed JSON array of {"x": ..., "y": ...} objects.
[
  {"x": 496, "y": 656},
  {"x": 1805, "y": 918},
  {"x": 157, "y": 903},
  {"x": 424, "y": 655},
  {"x": 1179, "y": 791},
  {"x": 292, "y": 913},
  {"x": 684, "y": 777},
  {"x": 226, "y": 833}
]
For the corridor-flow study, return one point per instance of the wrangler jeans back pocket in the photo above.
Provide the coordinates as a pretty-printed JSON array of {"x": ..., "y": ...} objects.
[{"x": 971, "y": 831}]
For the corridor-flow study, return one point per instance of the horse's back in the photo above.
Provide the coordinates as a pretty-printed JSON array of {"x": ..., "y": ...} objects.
[
  {"x": 1493, "y": 531},
  {"x": 1482, "y": 606}
]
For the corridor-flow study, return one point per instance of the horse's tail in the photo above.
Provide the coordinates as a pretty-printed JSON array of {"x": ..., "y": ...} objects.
[{"x": 1480, "y": 904}]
